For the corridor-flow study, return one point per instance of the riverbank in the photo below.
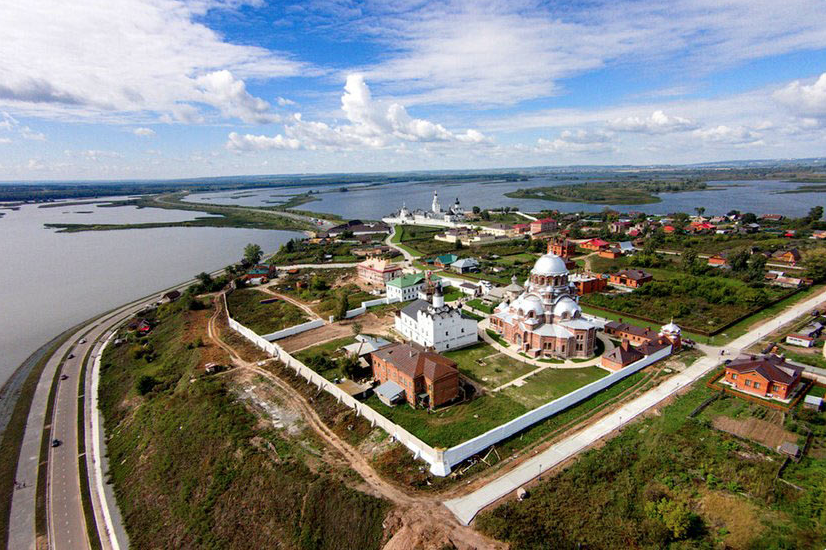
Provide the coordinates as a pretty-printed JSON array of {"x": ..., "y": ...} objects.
[{"x": 610, "y": 192}]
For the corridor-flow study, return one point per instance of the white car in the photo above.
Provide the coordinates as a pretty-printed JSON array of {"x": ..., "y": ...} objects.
[{"x": 82, "y": 341}]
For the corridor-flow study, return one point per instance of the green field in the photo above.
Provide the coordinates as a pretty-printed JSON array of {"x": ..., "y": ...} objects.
[
  {"x": 484, "y": 364},
  {"x": 669, "y": 481},
  {"x": 552, "y": 384},
  {"x": 612, "y": 192},
  {"x": 245, "y": 307}
]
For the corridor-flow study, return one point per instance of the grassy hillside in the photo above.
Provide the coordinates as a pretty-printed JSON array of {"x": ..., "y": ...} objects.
[
  {"x": 195, "y": 468},
  {"x": 245, "y": 307}
]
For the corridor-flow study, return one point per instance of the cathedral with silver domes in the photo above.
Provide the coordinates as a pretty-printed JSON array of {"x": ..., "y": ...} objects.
[{"x": 546, "y": 320}]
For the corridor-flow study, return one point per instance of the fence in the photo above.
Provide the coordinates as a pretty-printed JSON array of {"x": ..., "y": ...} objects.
[
  {"x": 465, "y": 450},
  {"x": 441, "y": 461},
  {"x": 369, "y": 303},
  {"x": 290, "y": 331}
]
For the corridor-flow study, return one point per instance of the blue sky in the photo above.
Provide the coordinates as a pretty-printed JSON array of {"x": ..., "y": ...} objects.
[{"x": 94, "y": 89}]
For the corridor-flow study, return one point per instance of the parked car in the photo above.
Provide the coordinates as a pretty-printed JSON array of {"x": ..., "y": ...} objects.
[
  {"x": 82, "y": 341},
  {"x": 64, "y": 376},
  {"x": 70, "y": 356},
  {"x": 56, "y": 442}
]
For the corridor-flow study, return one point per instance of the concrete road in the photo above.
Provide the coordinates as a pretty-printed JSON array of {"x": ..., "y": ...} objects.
[{"x": 465, "y": 508}]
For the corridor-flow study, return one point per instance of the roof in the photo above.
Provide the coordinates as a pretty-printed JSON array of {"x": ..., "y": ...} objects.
[
  {"x": 406, "y": 281},
  {"x": 545, "y": 220},
  {"x": 379, "y": 265},
  {"x": 624, "y": 356},
  {"x": 413, "y": 308},
  {"x": 465, "y": 262},
  {"x": 789, "y": 448},
  {"x": 365, "y": 345},
  {"x": 351, "y": 388},
  {"x": 597, "y": 242},
  {"x": 447, "y": 258},
  {"x": 771, "y": 367},
  {"x": 630, "y": 329},
  {"x": 634, "y": 274},
  {"x": 812, "y": 400},
  {"x": 415, "y": 362},
  {"x": 390, "y": 390}
]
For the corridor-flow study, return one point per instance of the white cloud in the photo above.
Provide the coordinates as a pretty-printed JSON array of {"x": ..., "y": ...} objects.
[
  {"x": 371, "y": 123},
  {"x": 35, "y": 164},
  {"x": 135, "y": 57},
  {"x": 30, "y": 134},
  {"x": 143, "y": 132},
  {"x": 284, "y": 102},
  {"x": 249, "y": 142},
  {"x": 728, "y": 135},
  {"x": 657, "y": 123},
  {"x": 578, "y": 141},
  {"x": 503, "y": 52},
  {"x": 5, "y": 140},
  {"x": 229, "y": 94},
  {"x": 805, "y": 100}
]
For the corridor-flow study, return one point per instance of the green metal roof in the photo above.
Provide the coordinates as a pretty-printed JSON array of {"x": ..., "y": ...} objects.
[{"x": 406, "y": 280}]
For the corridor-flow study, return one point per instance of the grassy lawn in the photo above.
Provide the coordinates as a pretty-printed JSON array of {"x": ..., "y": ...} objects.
[
  {"x": 498, "y": 339},
  {"x": 453, "y": 294},
  {"x": 484, "y": 364},
  {"x": 723, "y": 488},
  {"x": 522, "y": 258},
  {"x": 245, "y": 307},
  {"x": 453, "y": 425},
  {"x": 323, "y": 358},
  {"x": 553, "y": 383},
  {"x": 479, "y": 305}
]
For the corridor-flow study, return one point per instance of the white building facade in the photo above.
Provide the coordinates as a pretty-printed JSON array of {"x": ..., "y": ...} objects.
[{"x": 435, "y": 325}]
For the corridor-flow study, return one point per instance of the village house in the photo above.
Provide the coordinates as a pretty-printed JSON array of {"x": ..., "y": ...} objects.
[
  {"x": 791, "y": 256},
  {"x": 806, "y": 336},
  {"x": 718, "y": 260},
  {"x": 465, "y": 265},
  {"x": 507, "y": 293},
  {"x": 522, "y": 228},
  {"x": 612, "y": 253},
  {"x": 377, "y": 272},
  {"x": 500, "y": 229},
  {"x": 631, "y": 278},
  {"x": 772, "y": 217},
  {"x": 170, "y": 296},
  {"x": 562, "y": 248},
  {"x": 767, "y": 376},
  {"x": 543, "y": 225},
  {"x": 445, "y": 260},
  {"x": 647, "y": 343},
  {"x": 379, "y": 250},
  {"x": 408, "y": 373},
  {"x": 588, "y": 283},
  {"x": 819, "y": 234},
  {"x": 621, "y": 356},
  {"x": 594, "y": 244},
  {"x": 625, "y": 331},
  {"x": 619, "y": 226},
  {"x": 357, "y": 227}
]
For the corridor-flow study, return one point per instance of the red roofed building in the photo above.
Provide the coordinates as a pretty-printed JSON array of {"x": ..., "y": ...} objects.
[
  {"x": 632, "y": 278},
  {"x": 418, "y": 372},
  {"x": 595, "y": 244},
  {"x": 522, "y": 228},
  {"x": 562, "y": 248},
  {"x": 765, "y": 376},
  {"x": 543, "y": 226},
  {"x": 669, "y": 228}
]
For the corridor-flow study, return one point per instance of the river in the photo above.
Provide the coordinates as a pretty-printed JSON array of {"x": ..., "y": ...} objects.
[
  {"x": 51, "y": 281},
  {"x": 760, "y": 197}
]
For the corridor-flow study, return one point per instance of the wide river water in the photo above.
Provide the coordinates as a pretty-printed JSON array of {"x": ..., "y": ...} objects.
[
  {"x": 760, "y": 197},
  {"x": 51, "y": 281}
]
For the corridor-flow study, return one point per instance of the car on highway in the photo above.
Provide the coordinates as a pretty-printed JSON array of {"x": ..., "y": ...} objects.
[
  {"x": 64, "y": 376},
  {"x": 70, "y": 356},
  {"x": 82, "y": 341},
  {"x": 56, "y": 442}
]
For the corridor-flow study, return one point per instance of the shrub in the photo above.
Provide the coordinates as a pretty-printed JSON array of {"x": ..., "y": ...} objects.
[{"x": 145, "y": 384}]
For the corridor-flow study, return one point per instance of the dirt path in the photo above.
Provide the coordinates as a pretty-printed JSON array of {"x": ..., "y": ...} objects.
[
  {"x": 304, "y": 307},
  {"x": 417, "y": 521}
]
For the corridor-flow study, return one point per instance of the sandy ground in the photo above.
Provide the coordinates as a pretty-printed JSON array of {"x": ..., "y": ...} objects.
[
  {"x": 766, "y": 433},
  {"x": 369, "y": 324}
]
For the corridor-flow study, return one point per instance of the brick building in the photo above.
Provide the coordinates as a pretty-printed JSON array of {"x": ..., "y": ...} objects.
[
  {"x": 764, "y": 375},
  {"x": 427, "y": 378},
  {"x": 632, "y": 278},
  {"x": 375, "y": 271}
]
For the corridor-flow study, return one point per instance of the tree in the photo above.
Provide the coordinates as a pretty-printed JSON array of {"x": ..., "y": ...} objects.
[
  {"x": 485, "y": 215},
  {"x": 739, "y": 261},
  {"x": 815, "y": 214},
  {"x": 343, "y": 306},
  {"x": 673, "y": 514},
  {"x": 757, "y": 267},
  {"x": 350, "y": 366},
  {"x": 356, "y": 327},
  {"x": 145, "y": 384},
  {"x": 688, "y": 260},
  {"x": 700, "y": 210},
  {"x": 252, "y": 254},
  {"x": 289, "y": 246},
  {"x": 476, "y": 210},
  {"x": 205, "y": 279},
  {"x": 749, "y": 217},
  {"x": 814, "y": 262}
]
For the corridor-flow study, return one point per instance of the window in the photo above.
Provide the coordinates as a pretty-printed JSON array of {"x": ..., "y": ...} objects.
[
  {"x": 748, "y": 383},
  {"x": 757, "y": 385},
  {"x": 734, "y": 376}
]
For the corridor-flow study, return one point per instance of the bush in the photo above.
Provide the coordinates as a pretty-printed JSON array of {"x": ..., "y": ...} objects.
[{"x": 145, "y": 384}]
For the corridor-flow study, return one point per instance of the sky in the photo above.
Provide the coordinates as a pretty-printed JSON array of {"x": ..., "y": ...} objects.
[{"x": 153, "y": 89}]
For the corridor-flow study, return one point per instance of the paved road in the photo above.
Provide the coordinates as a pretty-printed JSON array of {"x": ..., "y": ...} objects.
[
  {"x": 408, "y": 257},
  {"x": 465, "y": 508}
]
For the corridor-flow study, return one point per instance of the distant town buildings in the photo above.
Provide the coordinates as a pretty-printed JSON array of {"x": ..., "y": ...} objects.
[{"x": 451, "y": 217}]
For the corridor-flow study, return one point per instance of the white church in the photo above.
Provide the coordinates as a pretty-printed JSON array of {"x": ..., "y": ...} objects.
[
  {"x": 452, "y": 217},
  {"x": 436, "y": 325}
]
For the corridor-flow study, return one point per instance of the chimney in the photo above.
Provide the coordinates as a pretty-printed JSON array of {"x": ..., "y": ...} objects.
[{"x": 625, "y": 344}]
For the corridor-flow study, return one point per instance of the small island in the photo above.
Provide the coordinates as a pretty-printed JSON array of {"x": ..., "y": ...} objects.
[{"x": 609, "y": 192}]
